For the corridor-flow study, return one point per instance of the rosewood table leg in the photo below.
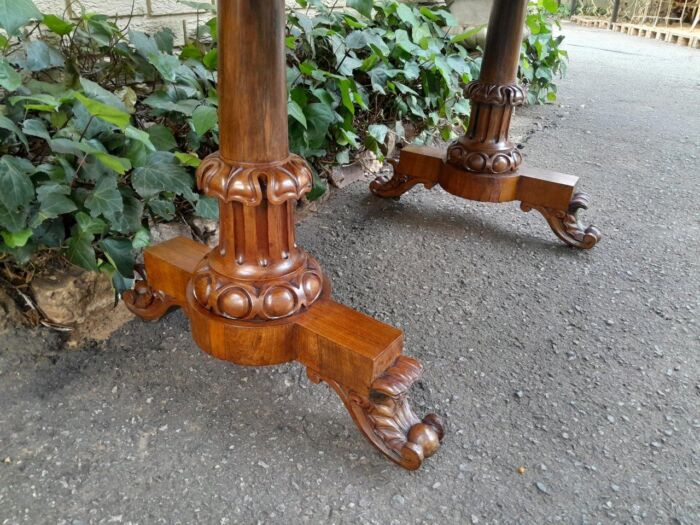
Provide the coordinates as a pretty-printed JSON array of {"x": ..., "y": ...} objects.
[
  {"x": 259, "y": 299},
  {"x": 484, "y": 165}
]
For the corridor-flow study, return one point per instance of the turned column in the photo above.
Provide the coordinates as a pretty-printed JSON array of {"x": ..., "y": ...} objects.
[
  {"x": 258, "y": 299},
  {"x": 257, "y": 273},
  {"x": 484, "y": 165},
  {"x": 485, "y": 148}
]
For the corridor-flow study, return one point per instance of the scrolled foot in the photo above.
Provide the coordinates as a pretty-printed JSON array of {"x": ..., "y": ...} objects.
[
  {"x": 147, "y": 303},
  {"x": 386, "y": 418},
  {"x": 398, "y": 184},
  {"x": 566, "y": 224}
]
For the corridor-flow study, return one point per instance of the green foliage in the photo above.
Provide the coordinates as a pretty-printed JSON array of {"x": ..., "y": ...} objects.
[
  {"x": 97, "y": 137},
  {"x": 101, "y": 129},
  {"x": 542, "y": 57},
  {"x": 356, "y": 76}
]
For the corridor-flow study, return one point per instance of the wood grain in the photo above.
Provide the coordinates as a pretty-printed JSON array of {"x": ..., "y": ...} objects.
[
  {"x": 484, "y": 165},
  {"x": 258, "y": 299}
]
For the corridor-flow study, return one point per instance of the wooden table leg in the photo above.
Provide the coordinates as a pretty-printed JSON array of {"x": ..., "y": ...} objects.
[
  {"x": 259, "y": 299},
  {"x": 484, "y": 165}
]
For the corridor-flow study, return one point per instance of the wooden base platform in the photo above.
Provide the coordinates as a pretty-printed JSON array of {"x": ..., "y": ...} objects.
[
  {"x": 359, "y": 357},
  {"x": 552, "y": 194}
]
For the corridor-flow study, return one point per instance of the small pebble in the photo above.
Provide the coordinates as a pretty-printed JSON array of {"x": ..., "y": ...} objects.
[{"x": 542, "y": 487}]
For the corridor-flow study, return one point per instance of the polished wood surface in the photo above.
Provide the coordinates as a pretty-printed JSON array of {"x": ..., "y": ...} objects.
[
  {"x": 252, "y": 81},
  {"x": 501, "y": 58},
  {"x": 258, "y": 299},
  {"x": 484, "y": 165}
]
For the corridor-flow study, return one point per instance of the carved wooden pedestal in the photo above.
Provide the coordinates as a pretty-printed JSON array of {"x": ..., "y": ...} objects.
[
  {"x": 484, "y": 165},
  {"x": 258, "y": 299}
]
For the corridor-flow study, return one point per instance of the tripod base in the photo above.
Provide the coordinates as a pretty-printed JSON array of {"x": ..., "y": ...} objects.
[
  {"x": 359, "y": 357},
  {"x": 552, "y": 194}
]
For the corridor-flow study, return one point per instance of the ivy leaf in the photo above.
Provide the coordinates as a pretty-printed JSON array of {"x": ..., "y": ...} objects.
[
  {"x": 363, "y": 6},
  {"x": 188, "y": 159},
  {"x": 45, "y": 102},
  {"x": 118, "y": 251},
  {"x": 142, "y": 239},
  {"x": 378, "y": 132},
  {"x": 6, "y": 123},
  {"x": 18, "y": 239},
  {"x": 207, "y": 208},
  {"x": 162, "y": 138},
  {"x": 58, "y": 25},
  {"x": 211, "y": 60},
  {"x": 104, "y": 112},
  {"x": 10, "y": 79},
  {"x": 139, "y": 136},
  {"x": 551, "y": 5},
  {"x": 161, "y": 100},
  {"x": 129, "y": 219},
  {"x": 80, "y": 250},
  {"x": 165, "y": 40},
  {"x": 13, "y": 219},
  {"x": 15, "y": 182},
  {"x": 36, "y": 128},
  {"x": 166, "y": 64},
  {"x": 54, "y": 203},
  {"x": 90, "y": 225},
  {"x": 15, "y": 14},
  {"x": 117, "y": 164},
  {"x": 297, "y": 113},
  {"x": 204, "y": 119},
  {"x": 162, "y": 172},
  {"x": 406, "y": 14},
  {"x": 163, "y": 209},
  {"x": 105, "y": 199},
  {"x": 467, "y": 34},
  {"x": 41, "y": 56}
]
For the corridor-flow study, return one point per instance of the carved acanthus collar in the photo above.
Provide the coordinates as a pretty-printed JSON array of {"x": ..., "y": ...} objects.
[
  {"x": 497, "y": 94},
  {"x": 248, "y": 183}
]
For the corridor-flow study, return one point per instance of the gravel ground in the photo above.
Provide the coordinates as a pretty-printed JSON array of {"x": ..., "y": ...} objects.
[{"x": 581, "y": 367}]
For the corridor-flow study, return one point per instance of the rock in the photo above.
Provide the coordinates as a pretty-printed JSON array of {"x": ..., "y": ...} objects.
[
  {"x": 398, "y": 500},
  {"x": 207, "y": 230},
  {"x": 80, "y": 299},
  {"x": 165, "y": 231},
  {"x": 10, "y": 315},
  {"x": 542, "y": 487},
  {"x": 343, "y": 176},
  {"x": 369, "y": 162}
]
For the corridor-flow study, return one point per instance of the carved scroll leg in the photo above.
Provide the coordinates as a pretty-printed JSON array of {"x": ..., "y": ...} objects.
[
  {"x": 386, "y": 418},
  {"x": 398, "y": 184},
  {"x": 566, "y": 224},
  {"x": 147, "y": 303}
]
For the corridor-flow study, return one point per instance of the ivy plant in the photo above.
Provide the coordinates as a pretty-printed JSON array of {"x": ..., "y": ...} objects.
[
  {"x": 102, "y": 127},
  {"x": 543, "y": 59}
]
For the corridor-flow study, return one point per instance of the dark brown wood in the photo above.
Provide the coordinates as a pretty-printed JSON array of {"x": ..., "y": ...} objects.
[
  {"x": 258, "y": 299},
  {"x": 252, "y": 81},
  {"x": 484, "y": 165}
]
